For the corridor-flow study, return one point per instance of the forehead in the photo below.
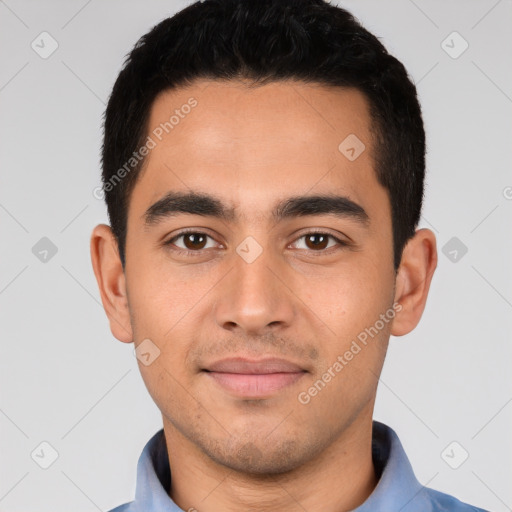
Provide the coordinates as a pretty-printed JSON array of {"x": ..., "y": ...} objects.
[{"x": 253, "y": 144}]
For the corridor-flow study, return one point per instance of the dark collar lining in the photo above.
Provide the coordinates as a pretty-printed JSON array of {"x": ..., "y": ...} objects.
[{"x": 381, "y": 444}]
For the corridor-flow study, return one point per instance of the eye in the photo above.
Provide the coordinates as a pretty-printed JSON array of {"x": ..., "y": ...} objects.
[
  {"x": 192, "y": 241},
  {"x": 319, "y": 241}
]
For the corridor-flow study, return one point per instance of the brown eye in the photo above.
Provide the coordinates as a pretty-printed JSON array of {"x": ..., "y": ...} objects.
[
  {"x": 317, "y": 240},
  {"x": 194, "y": 240}
]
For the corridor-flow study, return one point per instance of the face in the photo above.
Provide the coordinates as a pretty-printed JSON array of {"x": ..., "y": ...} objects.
[{"x": 259, "y": 264}]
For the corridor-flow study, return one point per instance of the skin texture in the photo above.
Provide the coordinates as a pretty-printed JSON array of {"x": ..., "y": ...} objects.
[{"x": 253, "y": 147}]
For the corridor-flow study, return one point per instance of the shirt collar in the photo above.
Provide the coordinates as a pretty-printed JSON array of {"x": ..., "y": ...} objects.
[{"x": 397, "y": 488}]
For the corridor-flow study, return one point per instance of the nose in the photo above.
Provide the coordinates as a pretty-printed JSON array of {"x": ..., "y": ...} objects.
[{"x": 255, "y": 296}]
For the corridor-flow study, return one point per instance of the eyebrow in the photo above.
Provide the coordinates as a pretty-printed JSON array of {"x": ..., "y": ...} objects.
[{"x": 207, "y": 205}]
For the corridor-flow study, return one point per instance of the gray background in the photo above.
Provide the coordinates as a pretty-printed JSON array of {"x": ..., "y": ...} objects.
[{"x": 66, "y": 381}]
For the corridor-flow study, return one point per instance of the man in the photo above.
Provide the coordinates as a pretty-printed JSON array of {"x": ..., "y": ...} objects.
[{"x": 263, "y": 168}]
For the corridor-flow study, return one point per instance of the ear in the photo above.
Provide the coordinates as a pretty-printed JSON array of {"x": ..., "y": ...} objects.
[
  {"x": 419, "y": 261},
  {"x": 111, "y": 281}
]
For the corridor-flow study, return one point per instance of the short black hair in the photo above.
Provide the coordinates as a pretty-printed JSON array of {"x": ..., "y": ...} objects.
[{"x": 310, "y": 41}]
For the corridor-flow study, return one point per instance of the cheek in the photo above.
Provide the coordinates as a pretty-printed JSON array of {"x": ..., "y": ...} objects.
[
  {"x": 353, "y": 355},
  {"x": 350, "y": 298},
  {"x": 352, "y": 305},
  {"x": 164, "y": 385},
  {"x": 158, "y": 298}
]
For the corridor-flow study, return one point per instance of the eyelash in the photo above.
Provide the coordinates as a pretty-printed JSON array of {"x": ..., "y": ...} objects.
[{"x": 188, "y": 252}]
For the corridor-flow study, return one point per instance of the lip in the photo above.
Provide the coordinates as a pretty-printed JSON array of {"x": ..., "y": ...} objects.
[
  {"x": 254, "y": 366},
  {"x": 254, "y": 378}
]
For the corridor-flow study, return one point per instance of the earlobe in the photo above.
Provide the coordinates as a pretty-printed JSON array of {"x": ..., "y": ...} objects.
[
  {"x": 111, "y": 281},
  {"x": 419, "y": 261}
]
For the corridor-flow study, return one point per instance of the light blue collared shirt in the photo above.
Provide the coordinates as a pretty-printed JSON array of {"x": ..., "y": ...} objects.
[{"x": 397, "y": 490}]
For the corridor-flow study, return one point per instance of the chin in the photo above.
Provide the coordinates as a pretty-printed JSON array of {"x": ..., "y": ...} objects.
[{"x": 262, "y": 457}]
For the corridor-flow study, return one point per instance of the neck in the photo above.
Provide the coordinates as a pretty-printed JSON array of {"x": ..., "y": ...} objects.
[{"x": 339, "y": 479}]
